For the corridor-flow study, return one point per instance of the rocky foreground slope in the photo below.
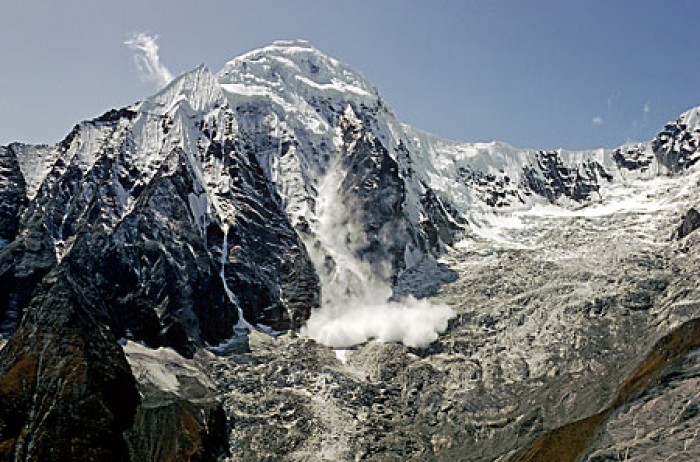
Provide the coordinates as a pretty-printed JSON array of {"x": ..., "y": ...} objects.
[{"x": 199, "y": 276}]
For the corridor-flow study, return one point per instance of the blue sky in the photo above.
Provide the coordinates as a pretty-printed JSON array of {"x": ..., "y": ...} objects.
[{"x": 541, "y": 74}]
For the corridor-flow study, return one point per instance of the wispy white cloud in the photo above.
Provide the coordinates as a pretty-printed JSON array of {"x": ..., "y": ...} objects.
[
  {"x": 639, "y": 126},
  {"x": 597, "y": 120},
  {"x": 147, "y": 59},
  {"x": 612, "y": 99}
]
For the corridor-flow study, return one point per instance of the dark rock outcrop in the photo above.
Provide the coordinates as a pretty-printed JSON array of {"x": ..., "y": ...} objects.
[
  {"x": 552, "y": 179},
  {"x": 443, "y": 225},
  {"x": 633, "y": 158},
  {"x": 493, "y": 190},
  {"x": 178, "y": 431},
  {"x": 66, "y": 390},
  {"x": 691, "y": 222},
  {"x": 23, "y": 264},
  {"x": 12, "y": 195}
]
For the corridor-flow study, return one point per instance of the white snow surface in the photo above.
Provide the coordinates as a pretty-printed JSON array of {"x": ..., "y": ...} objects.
[
  {"x": 517, "y": 228},
  {"x": 296, "y": 68},
  {"x": 35, "y": 162}
]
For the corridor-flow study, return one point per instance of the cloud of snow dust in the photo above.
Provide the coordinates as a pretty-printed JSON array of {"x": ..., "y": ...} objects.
[
  {"x": 415, "y": 323},
  {"x": 357, "y": 303},
  {"x": 147, "y": 59}
]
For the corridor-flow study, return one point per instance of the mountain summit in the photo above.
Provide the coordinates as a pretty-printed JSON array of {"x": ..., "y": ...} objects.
[{"x": 152, "y": 262}]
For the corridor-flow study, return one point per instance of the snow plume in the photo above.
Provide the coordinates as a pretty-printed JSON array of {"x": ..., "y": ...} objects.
[
  {"x": 147, "y": 59},
  {"x": 352, "y": 321},
  {"x": 357, "y": 304}
]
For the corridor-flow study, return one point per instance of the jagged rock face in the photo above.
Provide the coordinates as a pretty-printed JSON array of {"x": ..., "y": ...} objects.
[
  {"x": 25, "y": 259},
  {"x": 635, "y": 157},
  {"x": 168, "y": 246},
  {"x": 553, "y": 179},
  {"x": 676, "y": 146},
  {"x": 23, "y": 264},
  {"x": 66, "y": 391},
  {"x": 156, "y": 273},
  {"x": 374, "y": 196}
]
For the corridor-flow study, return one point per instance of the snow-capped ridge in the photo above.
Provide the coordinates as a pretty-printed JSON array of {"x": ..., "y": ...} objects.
[{"x": 198, "y": 87}]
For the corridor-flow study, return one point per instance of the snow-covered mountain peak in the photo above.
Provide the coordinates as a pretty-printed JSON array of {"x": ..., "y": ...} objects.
[
  {"x": 292, "y": 43},
  {"x": 691, "y": 118},
  {"x": 294, "y": 67}
]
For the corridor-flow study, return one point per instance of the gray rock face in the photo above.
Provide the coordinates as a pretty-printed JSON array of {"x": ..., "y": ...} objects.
[
  {"x": 374, "y": 195},
  {"x": 180, "y": 417},
  {"x": 23, "y": 264}
]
